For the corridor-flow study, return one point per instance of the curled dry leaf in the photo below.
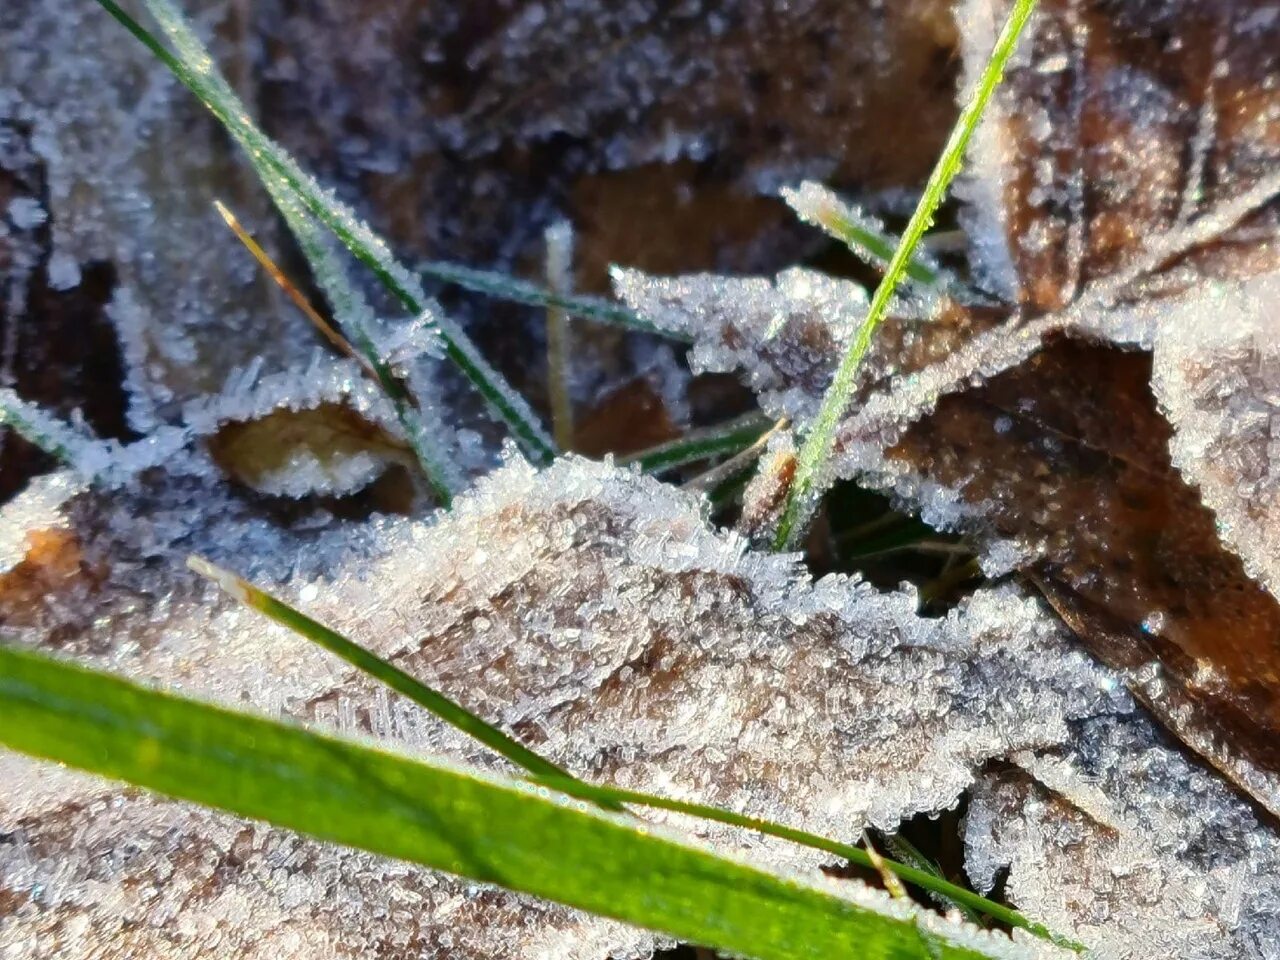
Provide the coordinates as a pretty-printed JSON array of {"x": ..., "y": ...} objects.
[
  {"x": 1123, "y": 189},
  {"x": 324, "y": 429}
]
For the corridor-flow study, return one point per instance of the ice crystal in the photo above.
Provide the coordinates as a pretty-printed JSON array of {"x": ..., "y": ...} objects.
[
  {"x": 1219, "y": 384},
  {"x": 130, "y": 165},
  {"x": 1118, "y": 836},
  {"x": 588, "y": 609}
]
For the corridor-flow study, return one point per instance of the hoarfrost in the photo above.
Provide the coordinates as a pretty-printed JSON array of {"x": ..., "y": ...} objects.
[
  {"x": 1118, "y": 836},
  {"x": 105, "y": 124},
  {"x": 590, "y": 610},
  {"x": 1123, "y": 190},
  {"x": 1217, "y": 377}
]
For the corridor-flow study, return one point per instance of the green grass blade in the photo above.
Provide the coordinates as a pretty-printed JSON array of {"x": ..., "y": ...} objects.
[
  {"x": 354, "y": 315},
  {"x": 816, "y": 205},
  {"x": 729, "y": 437},
  {"x": 813, "y": 456},
  {"x": 379, "y": 669},
  {"x": 905, "y": 851},
  {"x": 545, "y": 772},
  {"x": 39, "y": 427},
  {"x": 490, "y": 830},
  {"x": 502, "y": 287},
  {"x": 193, "y": 66}
]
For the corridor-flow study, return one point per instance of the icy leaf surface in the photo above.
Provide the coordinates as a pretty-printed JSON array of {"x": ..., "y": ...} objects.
[
  {"x": 784, "y": 336},
  {"x": 1121, "y": 838},
  {"x": 590, "y": 610},
  {"x": 324, "y": 428},
  {"x": 1217, "y": 377},
  {"x": 1123, "y": 189},
  {"x": 1132, "y": 140}
]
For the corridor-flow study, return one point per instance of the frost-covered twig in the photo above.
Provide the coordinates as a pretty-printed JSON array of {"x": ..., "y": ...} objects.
[{"x": 813, "y": 456}]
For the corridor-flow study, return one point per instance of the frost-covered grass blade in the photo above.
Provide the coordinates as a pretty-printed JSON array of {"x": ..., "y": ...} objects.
[
  {"x": 862, "y": 234},
  {"x": 503, "y": 287},
  {"x": 545, "y": 772},
  {"x": 814, "y": 454},
  {"x": 726, "y": 438},
  {"x": 491, "y": 830},
  {"x": 191, "y": 63},
  {"x": 39, "y": 427}
]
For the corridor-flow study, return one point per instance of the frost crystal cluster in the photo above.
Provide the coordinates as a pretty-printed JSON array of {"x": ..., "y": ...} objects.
[
  {"x": 1099, "y": 406},
  {"x": 591, "y": 611},
  {"x": 1097, "y": 402}
]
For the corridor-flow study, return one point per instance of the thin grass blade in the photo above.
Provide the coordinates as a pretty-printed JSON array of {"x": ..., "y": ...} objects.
[
  {"x": 191, "y": 63},
  {"x": 502, "y": 287},
  {"x": 865, "y": 237},
  {"x": 490, "y": 830},
  {"x": 812, "y": 459},
  {"x": 543, "y": 771},
  {"x": 725, "y": 438}
]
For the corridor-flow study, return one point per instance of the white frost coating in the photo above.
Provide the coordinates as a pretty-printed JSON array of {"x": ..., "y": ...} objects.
[
  {"x": 107, "y": 462},
  {"x": 589, "y": 609},
  {"x": 1142, "y": 853},
  {"x": 38, "y": 507},
  {"x": 275, "y": 164},
  {"x": 335, "y": 463},
  {"x": 249, "y": 395},
  {"x": 981, "y": 185},
  {"x": 130, "y": 163},
  {"x": 1217, "y": 377},
  {"x": 780, "y": 334}
]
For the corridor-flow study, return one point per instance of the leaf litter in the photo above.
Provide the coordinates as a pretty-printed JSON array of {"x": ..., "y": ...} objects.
[{"x": 595, "y": 614}]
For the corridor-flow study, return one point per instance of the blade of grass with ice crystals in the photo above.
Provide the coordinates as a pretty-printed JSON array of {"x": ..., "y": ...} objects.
[
  {"x": 729, "y": 437},
  {"x": 502, "y": 287},
  {"x": 491, "y": 830},
  {"x": 289, "y": 288},
  {"x": 39, "y": 428},
  {"x": 545, "y": 772},
  {"x": 813, "y": 456},
  {"x": 193, "y": 66},
  {"x": 815, "y": 204}
]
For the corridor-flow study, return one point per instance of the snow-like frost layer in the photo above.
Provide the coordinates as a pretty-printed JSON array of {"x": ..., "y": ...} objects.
[
  {"x": 1217, "y": 377},
  {"x": 1120, "y": 837},
  {"x": 590, "y": 610}
]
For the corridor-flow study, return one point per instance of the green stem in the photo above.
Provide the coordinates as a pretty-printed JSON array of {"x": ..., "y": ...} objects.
[{"x": 818, "y": 444}]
